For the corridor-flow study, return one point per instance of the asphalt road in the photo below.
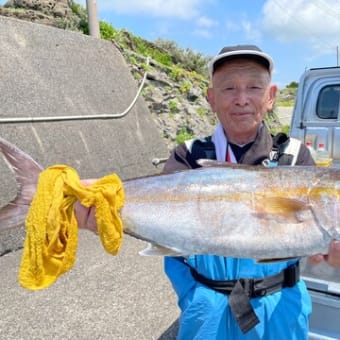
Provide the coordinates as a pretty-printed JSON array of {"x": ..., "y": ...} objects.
[
  {"x": 103, "y": 297},
  {"x": 285, "y": 114}
]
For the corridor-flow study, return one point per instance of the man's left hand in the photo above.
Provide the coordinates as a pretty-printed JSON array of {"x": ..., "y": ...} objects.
[
  {"x": 86, "y": 217},
  {"x": 333, "y": 257}
]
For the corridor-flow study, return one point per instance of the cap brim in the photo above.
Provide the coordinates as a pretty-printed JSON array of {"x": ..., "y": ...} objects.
[{"x": 260, "y": 57}]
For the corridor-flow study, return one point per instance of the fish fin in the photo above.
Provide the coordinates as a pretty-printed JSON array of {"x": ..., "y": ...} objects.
[
  {"x": 12, "y": 216},
  {"x": 281, "y": 208},
  {"x": 26, "y": 171},
  {"x": 157, "y": 250},
  {"x": 210, "y": 163}
]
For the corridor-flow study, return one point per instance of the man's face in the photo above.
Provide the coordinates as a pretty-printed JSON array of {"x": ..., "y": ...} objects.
[{"x": 241, "y": 95}]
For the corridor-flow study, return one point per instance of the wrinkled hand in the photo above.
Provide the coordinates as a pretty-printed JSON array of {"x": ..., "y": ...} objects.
[
  {"x": 86, "y": 216},
  {"x": 333, "y": 257}
]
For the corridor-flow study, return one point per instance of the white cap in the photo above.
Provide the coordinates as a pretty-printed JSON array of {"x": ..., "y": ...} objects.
[{"x": 241, "y": 51}]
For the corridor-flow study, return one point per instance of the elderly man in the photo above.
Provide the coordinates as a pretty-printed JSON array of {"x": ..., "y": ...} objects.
[{"x": 215, "y": 293}]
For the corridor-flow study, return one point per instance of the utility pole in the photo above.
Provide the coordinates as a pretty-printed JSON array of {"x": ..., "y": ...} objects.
[
  {"x": 92, "y": 16},
  {"x": 337, "y": 55}
]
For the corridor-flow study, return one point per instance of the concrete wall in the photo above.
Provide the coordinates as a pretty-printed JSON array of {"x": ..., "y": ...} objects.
[{"x": 46, "y": 71}]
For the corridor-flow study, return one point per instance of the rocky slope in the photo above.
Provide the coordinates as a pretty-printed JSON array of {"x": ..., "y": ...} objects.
[
  {"x": 176, "y": 102},
  {"x": 58, "y": 13},
  {"x": 175, "y": 94}
]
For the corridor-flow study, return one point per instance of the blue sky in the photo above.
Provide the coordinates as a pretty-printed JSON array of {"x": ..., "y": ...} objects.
[{"x": 298, "y": 34}]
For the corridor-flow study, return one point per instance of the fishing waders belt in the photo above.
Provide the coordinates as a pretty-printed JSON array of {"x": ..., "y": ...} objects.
[{"x": 242, "y": 290}]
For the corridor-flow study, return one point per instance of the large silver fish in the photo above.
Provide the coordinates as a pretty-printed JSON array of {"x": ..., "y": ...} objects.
[{"x": 246, "y": 212}]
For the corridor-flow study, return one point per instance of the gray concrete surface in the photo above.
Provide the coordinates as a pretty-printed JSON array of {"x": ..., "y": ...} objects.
[
  {"x": 285, "y": 114},
  {"x": 103, "y": 297},
  {"x": 45, "y": 71},
  {"x": 49, "y": 72}
]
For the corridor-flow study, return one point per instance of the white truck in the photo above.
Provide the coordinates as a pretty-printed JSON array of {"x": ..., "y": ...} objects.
[
  {"x": 316, "y": 119},
  {"x": 316, "y": 115}
]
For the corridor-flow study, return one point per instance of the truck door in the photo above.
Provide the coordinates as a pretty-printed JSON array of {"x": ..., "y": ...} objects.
[
  {"x": 323, "y": 123},
  {"x": 323, "y": 283}
]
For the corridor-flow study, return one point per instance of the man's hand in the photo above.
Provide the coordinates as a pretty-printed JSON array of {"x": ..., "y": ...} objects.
[
  {"x": 333, "y": 257},
  {"x": 86, "y": 216}
]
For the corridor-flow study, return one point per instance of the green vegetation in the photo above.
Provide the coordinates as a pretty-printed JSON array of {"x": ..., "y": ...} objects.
[
  {"x": 76, "y": 8},
  {"x": 285, "y": 103},
  {"x": 184, "y": 66},
  {"x": 185, "y": 86},
  {"x": 81, "y": 12},
  {"x": 176, "y": 73},
  {"x": 107, "y": 31},
  {"x": 15, "y": 10},
  {"x": 283, "y": 128},
  {"x": 132, "y": 60},
  {"x": 183, "y": 134},
  {"x": 202, "y": 111},
  {"x": 165, "y": 52},
  {"x": 150, "y": 50},
  {"x": 173, "y": 106},
  {"x": 186, "y": 58},
  {"x": 286, "y": 96},
  {"x": 293, "y": 85}
]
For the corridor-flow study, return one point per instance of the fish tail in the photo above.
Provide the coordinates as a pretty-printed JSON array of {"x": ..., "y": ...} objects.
[
  {"x": 12, "y": 216},
  {"x": 26, "y": 172}
]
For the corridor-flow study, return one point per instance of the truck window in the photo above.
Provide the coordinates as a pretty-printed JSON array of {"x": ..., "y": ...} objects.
[{"x": 327, "y": 106}]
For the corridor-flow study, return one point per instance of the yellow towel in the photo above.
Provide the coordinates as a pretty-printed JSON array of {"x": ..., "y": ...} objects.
[{"x": 51, "y": 226}]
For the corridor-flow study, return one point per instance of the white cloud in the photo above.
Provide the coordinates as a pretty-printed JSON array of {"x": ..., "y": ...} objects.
[
  {"x": 206, "y": 22},
  {"x": 204, "y": 27},
  {"x": 247, "y": 30},
  {"x": 170, "y": 8},
  {"x": 250, "y": 32},
  {"x": 316, "y": 22},
  {"x": 232, "y": 26},
  {"x": 203, "y": 33}
]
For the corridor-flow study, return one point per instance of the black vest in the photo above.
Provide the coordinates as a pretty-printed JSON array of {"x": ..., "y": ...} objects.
[{"x": 281, "y": 153}]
